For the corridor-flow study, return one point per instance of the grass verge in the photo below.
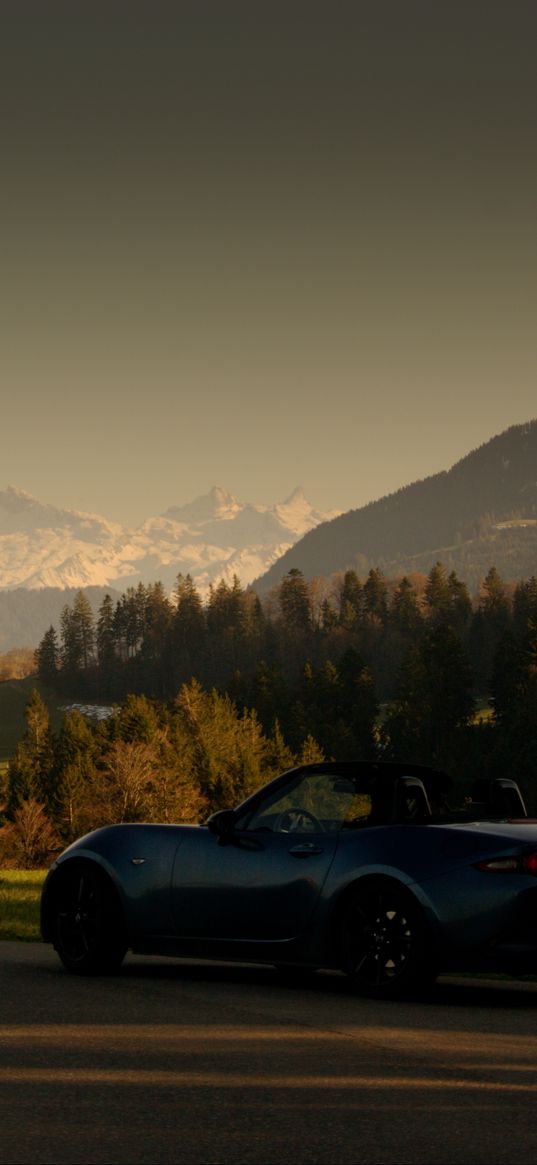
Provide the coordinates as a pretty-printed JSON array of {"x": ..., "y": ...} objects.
[{"x": 20, "y": 892}]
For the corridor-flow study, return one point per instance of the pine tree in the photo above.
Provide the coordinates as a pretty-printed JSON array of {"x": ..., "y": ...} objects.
[
  {"x": 350, "y": 600},
  {"x": 84, "y": 624},
  {"x": 405, "y": 615},
  {"x": 524, "y": 605},
  {"x": 358, "y": 707},
  {"x": 76, "y": 755},
  {"x": 47, "y": 658},
  {"x": 138, "y": 720},
  {"x": 106, "y": 636},
  {"x": 30, "y": 769},
  {"x": 494, "y": 604},
  {"x": 294, "y": 601},
  {"x": 156, "y": 652},
  {"x": 77, "y": 640},
  {"x": 188, "y": 632},
  {"x": 461, "y": 603},
  {"x": 438, "y": 595},
  {"x": 490, "y": 624},
  {"x": 434, "y": 702},
  {"x": 129, "y": 621},
  {"x": 375, "y": 596},
  {"x": 229, "y": 750}
]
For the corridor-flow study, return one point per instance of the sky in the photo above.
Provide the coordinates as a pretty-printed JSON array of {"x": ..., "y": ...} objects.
[{"x": 261, "y": 244}]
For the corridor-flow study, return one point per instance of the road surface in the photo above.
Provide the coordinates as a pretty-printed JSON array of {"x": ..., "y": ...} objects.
[{"x": 199, "y": 1063}]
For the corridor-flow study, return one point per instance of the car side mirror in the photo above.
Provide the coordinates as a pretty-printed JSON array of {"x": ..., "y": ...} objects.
[{"x": 221, "y": 823}]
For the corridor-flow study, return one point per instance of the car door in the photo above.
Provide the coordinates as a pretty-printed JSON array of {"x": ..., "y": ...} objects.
[
  {"x": 261, "y": 881},
  {"x": 253, "y": 887}
]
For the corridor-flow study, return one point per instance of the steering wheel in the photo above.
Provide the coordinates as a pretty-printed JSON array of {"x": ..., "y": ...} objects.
[{"x": 295, "y": 820}]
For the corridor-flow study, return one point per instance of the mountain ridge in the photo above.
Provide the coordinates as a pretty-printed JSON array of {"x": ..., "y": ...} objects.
[
  {"x": 212, "y": 537},
  {"x": 492, "y": 487},
  {"x": 480, "y": 513}
]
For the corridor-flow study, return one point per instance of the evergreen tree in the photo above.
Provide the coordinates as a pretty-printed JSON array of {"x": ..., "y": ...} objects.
[
  {"x": 137, "y": 720},
  {"x": 494, "y": 604},
  {"x": 76, "y": 739},
  {"x": 156, "y": 651},
  {"x": 461, "y": 603},
  {"x": 129, "y": 621},
  {"x": 524, "y": 605},
  {"x": 226, "y": 630},
  {"x": 507, "y": 683},
  {"x": 84, "y": 625},
  {"x": 350, "y": 600},
  {"x": 29, "y": 773},
  {"x": 69, "y": 645},
  {"x": 328, "y": 619},
  {"x": 310, "y": 752},
  {"x": 229, "y": 751},
  {"x": 75, "y": 760},
  {"x": 438, "y": 595},
  {"x": 358, "y": 707},
  {"x": 405, "y": 615},
  {"x": 188, "y": 632},
  {"x": 279, "y": 755},
  {"x": 270, "y": 696},
  {"x": 490, "y": 624},
  {"x": 77, "y": 641},
  {"x": 106, "y": 637},
  {"x": 294, "y": 602},
  {"x": 375, "y": 596},
  {"x": 434, "y": 703},
  {"x": 47, "y": 658}
]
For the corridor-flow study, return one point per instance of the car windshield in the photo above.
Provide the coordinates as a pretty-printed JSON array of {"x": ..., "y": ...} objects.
[{"x": 309, "y": 802}]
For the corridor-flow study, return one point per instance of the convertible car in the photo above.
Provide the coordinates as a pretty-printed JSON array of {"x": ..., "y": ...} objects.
[{"x": 376, "y": 870}]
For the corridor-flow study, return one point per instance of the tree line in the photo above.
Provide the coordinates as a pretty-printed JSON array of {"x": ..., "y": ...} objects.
[
  {"x": 149, "y": 761},
  {"x": 213, "y": 699},
  {"x": 322, "y": 658}
]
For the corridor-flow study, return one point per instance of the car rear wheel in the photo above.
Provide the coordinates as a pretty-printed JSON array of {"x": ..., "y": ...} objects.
[
  {"x": 385, "y": 949},
  {"x": 88, "y": 930}
]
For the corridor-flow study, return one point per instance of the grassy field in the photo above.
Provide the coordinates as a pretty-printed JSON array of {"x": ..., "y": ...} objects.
[{"x": 20, "y": 891}]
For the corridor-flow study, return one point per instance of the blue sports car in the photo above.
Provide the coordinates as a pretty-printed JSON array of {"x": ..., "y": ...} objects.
[{"x": 366, "y": 868}]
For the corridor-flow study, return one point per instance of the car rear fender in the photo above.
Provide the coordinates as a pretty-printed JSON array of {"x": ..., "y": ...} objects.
[{"x": 415, "y": 892}]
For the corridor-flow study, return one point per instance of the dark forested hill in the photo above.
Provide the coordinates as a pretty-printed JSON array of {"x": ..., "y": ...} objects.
[{"x": 481, "y": 512}]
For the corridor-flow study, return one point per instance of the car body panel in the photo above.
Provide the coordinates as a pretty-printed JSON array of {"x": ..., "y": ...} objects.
[
  {"x": 261, "y": 888},
  {"x": 270, "y": 885}
]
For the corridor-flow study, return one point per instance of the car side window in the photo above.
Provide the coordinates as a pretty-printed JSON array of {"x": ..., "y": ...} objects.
[{"x": 310, "y": 803}]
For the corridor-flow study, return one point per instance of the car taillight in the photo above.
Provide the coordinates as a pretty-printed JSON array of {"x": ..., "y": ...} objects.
[{"x": 517, "y": 863}]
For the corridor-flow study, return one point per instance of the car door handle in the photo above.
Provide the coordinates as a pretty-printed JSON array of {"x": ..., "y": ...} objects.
[{"x": 306, "y": 849}]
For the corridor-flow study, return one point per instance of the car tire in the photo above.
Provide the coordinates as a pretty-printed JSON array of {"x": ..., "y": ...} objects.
[
  {"x": 384, "y": 943},
  {"x": 89, "y": 934}
]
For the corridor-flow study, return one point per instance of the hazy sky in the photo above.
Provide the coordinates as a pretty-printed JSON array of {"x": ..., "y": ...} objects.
[{"x": 261, "y": 244}]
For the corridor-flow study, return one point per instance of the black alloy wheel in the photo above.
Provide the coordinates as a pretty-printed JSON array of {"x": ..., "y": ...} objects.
[
  {"x": 385, "y": 949},
  {"x": 88, "y": 930}
]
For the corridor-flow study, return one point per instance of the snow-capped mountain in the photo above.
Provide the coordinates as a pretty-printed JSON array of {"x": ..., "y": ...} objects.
[{"x": 213, "y": 537}]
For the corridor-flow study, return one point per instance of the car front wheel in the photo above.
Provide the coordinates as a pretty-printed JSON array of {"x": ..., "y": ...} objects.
[
  {"x": 88, "y": 930},
  {"x": 384, "y": 945}
]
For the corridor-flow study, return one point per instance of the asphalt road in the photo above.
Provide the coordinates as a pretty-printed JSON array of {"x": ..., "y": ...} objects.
[{"x": 184, "y": 1062}]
